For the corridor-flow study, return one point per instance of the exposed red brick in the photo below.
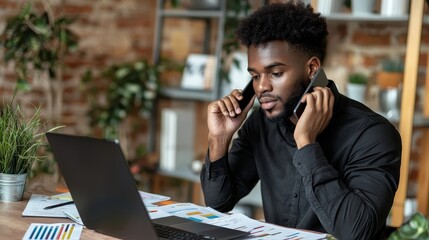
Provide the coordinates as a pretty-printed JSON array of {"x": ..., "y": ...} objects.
[
  {"x": 134, "y": 21},
  {"x": 9, "y": 4},
  {"x": 423, "y": 59},
  {"x": 370, "y": 61},
  {"x": 70, "y": 9},
  {"x": 364, "y": 38},
  {"x": 402, "y": 39}
]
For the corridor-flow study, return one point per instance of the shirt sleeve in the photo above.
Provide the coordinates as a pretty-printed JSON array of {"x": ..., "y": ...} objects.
[
  {"x": 355, "y": 205},
  {"x": 225, "y": 181}
]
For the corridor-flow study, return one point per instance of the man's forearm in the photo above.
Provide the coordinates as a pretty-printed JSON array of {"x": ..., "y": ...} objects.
[{"x": 218, "y": 147}]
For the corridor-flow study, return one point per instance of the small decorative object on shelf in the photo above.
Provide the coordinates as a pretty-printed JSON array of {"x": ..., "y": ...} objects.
[
  {"x": 389, "y": 82},
  {"x": 394, "y": 7},
  {"x": 363, "y": 7},
  {"x": 391, "y": 74},
  {"x": 199, "y": 71},
  {"x": 356, "y": 87},
  {"x": 328, "y": 7}
]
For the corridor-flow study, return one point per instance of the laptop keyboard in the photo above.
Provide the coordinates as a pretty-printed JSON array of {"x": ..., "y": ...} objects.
[{"x": 176, "y": 234}]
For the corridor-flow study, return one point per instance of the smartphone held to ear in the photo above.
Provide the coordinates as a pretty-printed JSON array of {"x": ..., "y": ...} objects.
[
  {"x": 319, "y": 80},
  {"x": 248, "y": 93}
]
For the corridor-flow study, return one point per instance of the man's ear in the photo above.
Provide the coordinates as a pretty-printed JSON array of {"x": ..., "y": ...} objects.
[{"x": 312, "y": 65}]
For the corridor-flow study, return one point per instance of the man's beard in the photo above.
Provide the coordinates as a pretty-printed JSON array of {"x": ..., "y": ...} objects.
[{"x": 290, "y": 104}]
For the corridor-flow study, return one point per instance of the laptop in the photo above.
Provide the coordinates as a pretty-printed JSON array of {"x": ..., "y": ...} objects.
[{"x": 107, "y": 198}]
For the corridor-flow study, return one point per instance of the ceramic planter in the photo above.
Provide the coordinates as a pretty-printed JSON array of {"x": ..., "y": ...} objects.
[
  {"x": 394, "y": 7},
  {"x": 356, "y": 91},
  {"x": 362, "y": 7},
  {"x": 328, "y": 7}
]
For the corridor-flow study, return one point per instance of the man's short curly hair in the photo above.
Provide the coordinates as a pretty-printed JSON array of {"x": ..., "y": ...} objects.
[{"x": 293, "y": 22}]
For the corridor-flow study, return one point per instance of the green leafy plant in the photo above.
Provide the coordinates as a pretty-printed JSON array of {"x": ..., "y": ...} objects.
[
  {"x": 389, "y": 65},
  {"x": 358, "y": 78},
  {"x": 36, "y": 44},
  {"x": 132, "y": 88},
  {"x": 416, "y": 228}
]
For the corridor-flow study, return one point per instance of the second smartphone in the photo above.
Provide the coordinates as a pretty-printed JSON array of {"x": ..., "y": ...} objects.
[{"x": 319, "y": 80}]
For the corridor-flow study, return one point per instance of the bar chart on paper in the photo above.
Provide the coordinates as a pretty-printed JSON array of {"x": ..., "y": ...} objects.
[
  {"x": 263, "y": 231},
  {"x": 38, "y": 231}
]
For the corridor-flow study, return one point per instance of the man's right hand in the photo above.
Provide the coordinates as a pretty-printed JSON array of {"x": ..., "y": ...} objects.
[{"x": 224, "y": 117}]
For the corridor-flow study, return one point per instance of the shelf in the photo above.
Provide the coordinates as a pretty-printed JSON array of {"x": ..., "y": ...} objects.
[
  {"x": 188, "y": 94},
  {"x": 418, "y": 120},
  {"x": 192, "y": 13},
  {"x": 365, "y": 18},
  {"x": 349, "y": 17}
]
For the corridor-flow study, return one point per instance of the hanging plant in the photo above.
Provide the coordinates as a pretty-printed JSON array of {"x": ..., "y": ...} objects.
[
  {"x": 131, "y": 88},
  {"x": 36, "y": 44}
]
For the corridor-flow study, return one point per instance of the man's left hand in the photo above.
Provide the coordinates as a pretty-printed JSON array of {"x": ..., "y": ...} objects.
[{"x": 316, "y": 116}]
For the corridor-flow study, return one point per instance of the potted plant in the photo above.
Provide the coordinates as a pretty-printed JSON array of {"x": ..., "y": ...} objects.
[
  {"x": 21, "y": 143},
  {"x": 36, "y": 43},
  {"x": 356, "y": 87},
  {"x": 416, "y": 228},
  {"x": 391, "y": 74},
  {"x": 132, "y": 90}
]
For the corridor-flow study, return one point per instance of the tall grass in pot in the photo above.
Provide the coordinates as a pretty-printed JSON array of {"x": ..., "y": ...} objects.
[{"x": 21, "y": 140}]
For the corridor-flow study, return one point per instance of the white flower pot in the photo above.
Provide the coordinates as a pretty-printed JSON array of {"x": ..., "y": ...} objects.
[
  {"x": 362, "y": 7},
  {"x": 327, "y": 7},
  {"x": 356, "y": 91},
  {"x": 394, "y": 7}
]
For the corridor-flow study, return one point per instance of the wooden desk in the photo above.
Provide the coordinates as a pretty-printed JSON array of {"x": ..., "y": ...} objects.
[{"x": 14, "y": 226}]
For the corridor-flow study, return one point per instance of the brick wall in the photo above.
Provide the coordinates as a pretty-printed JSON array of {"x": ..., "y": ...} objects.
[{"x": 110, "y": 31}]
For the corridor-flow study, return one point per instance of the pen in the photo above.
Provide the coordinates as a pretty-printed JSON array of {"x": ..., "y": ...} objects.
[{"x": 59, "y": 205}]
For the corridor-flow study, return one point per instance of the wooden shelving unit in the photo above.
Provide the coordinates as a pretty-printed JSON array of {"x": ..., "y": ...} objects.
[
  {"x": 407, "y": 108},
  {"x": 407, "y": 120}
]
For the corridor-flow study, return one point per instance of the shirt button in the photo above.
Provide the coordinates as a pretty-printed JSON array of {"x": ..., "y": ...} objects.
[{"x": 295, "y": 195}]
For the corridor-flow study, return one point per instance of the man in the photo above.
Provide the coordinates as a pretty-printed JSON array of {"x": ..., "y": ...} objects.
[{"x": 334, "y": 170}]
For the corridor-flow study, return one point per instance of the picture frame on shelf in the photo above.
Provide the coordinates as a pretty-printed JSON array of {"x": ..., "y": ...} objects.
[
  {"x": 238, "y": 74},
  {"x": 199, "y": 72}
]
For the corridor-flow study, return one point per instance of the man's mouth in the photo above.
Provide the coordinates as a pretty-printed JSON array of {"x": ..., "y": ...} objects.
[{"x": 268, "y": 103}]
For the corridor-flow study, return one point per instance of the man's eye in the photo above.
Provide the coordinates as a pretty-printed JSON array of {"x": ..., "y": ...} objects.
[
  {"x": 277, "y": 74},
  {"x": 254, "y": 77}
]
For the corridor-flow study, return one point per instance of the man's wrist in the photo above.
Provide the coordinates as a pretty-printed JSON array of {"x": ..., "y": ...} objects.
[{"x": 218, "y": 146}]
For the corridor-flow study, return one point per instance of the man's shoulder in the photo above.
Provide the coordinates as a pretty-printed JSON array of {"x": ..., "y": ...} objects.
[
  {"x": 353, "y": 110},
  {"x": 355, "y": 117}
]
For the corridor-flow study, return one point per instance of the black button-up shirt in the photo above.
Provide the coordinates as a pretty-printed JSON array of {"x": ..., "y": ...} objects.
[{"x": 343, "y": 184}]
